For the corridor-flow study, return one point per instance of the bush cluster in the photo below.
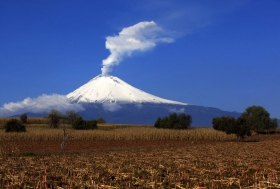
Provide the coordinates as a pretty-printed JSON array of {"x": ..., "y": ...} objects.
[
  {"x": 255, "y": 118},
  {"x": 100, "y": 120},
  {"x": 230, "y": 125},
  {"x": 81, "y": 124},
  {"x": 14, "y": 125},
  {"x": 174, "y": 121},
  {"x": 73, "y": 118}
]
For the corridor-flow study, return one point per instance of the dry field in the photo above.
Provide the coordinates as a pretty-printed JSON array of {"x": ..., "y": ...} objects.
[
  {"x": 42, "y": 132},
  {"x": 137, "y": 157}
]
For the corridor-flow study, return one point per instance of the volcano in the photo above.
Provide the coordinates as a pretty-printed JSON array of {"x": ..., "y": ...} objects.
[
  {"x": 110, "y": 89},
  {"x": 118, "y": 102}
]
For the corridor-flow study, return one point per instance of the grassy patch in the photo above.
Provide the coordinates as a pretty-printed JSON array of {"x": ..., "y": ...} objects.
[{"x": 27, "y": 154}]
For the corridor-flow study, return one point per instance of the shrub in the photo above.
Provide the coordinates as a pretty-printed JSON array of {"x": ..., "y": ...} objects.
[
  {"x": 101, "y": 120},
  {"x": 91, "y": 124},
  {"x": 81, "y": 124},
  {"x": 14, "y": 125},
  {"x": 254, "y": 118},
  {"x": 174, "y": 121},
  {"x": 78, "y": 123},
  {"x": 28, "y": 154},
  {"x": 23, "y": 118},
  {"x": 224, "y": 123},
  {"x": 230, "y": 125},
  {"x": 71, "y": 116}
]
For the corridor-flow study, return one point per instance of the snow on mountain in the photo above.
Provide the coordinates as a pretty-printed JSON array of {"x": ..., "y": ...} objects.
[{"x": 105, "y": 88}]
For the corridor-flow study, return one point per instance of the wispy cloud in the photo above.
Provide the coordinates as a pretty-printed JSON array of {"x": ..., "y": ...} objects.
[
  {"x": 111, "y": 106},
  {"x": 40, "y": 104},
  {"x": 139, "y": 37},
  {"x": 139, "y": 106},
  {"x": 185, "y": 17},
  {"x": 179, "y": 110}
]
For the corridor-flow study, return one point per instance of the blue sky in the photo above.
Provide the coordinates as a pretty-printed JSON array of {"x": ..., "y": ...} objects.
[{"x": 225, "y": 54}]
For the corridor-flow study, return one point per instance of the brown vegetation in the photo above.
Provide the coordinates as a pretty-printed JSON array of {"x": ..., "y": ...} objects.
[
  {"x": 41, "y": 132},
  {"x": 30, "y": 120},
  {"x": 137, "y": 157}
]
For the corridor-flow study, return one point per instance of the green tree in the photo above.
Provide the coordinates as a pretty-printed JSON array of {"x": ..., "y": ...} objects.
[
  {"x": 54, "y": 117},
  {"x": 157, "y": 123},
  {"x": 230, "y": 125},
  {"x": 14, "y": 125},
  {"x": 224, "y": 123},
  {"x": 242, "y": 128},
  {"x": 100, "y": 120},
  {"x": 23, "y": 118},
  {"x": 81, "y": 124},
  {"x": 91, "y": 124},
  {"x": 254, "y": 118},
  {"x": 273, "y": 124},
  {"x": 258, "y": 118},
  {"x": 174, "y": 121},
  {"x": 183, "y": 121}
]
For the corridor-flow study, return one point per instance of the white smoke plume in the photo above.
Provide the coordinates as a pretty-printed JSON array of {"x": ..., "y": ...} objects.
[
  {"x": 139, "y": 37},
  {"x": 41, "y": 104}
]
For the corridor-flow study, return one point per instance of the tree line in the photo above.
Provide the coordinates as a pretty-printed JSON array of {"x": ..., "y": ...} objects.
[
  {"x": 253, "y": 119},
  {"x": 55, "y": 119},
  {"x": 174, "y": 121}
]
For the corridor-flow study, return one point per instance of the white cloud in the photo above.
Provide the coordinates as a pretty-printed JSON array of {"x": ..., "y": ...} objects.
[
  {"x": 139, "y": 106},
  {"x": 111, "y": 106},
  {"x": 40, "y": 104},
  {"x": 139, "y": 37},
  {"x": 186, "y": 17},
  {"x": 179, "y": 110}
]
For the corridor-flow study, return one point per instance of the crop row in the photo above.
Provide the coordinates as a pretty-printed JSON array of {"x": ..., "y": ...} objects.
[{"x": 44, "y": 133}]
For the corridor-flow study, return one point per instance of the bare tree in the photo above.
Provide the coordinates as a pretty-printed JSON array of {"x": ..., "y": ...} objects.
[
  {"x": 23, "y": 118},
  {"x": 71, "y": 116},
  {"x": 64, "y": 122},
  {"x": 54, "y": 117}
]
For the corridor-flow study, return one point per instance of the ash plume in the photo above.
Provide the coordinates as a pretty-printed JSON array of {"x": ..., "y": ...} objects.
[{"x": 139, "y": 37}]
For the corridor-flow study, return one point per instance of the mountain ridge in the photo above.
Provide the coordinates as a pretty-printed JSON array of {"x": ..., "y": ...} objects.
[{"x": 149, "y": 112}]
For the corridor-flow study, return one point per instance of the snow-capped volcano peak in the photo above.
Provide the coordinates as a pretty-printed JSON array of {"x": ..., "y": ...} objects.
[{"x": 106, "y": 88}]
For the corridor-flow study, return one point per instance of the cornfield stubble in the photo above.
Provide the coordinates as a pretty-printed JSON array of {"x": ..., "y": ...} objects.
[{"x": 123, "y": 156}]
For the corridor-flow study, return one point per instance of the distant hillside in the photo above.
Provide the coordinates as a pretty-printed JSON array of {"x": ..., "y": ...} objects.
[{"x": 148, "y": 113}]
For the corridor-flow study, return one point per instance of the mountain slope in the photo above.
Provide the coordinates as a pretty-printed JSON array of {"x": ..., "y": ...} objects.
[
  {"x": 105, "y": 88},
  {"x": 118, "y": 102},
  {"x": 149, "y": 112}
]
